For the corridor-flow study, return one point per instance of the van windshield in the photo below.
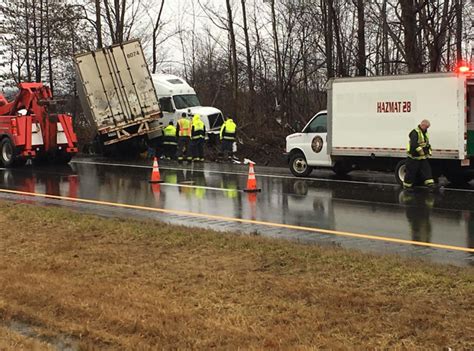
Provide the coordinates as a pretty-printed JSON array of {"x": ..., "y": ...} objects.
[{"x": 185, "y": 101}]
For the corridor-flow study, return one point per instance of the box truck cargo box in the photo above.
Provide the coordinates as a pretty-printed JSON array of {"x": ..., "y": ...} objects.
[{"x": 368, "y": 120}]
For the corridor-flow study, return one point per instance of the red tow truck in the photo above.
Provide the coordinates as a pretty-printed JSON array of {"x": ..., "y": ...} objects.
[{"x": 30, "y": 129}]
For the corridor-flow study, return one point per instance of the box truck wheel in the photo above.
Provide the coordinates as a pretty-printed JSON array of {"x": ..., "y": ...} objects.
[
  {"x": 400, "y": 171},
  {"x": 299, "y": 166}
]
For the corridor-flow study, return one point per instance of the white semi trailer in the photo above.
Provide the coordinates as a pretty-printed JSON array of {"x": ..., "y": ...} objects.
[
  {"x": 368, "y": 120},
  {"x": 118, "y": 97}
]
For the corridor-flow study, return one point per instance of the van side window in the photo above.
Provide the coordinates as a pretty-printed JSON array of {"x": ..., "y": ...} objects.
[
  {"x": 166, "y": 105},
  {"x": 318, "y": 125}
]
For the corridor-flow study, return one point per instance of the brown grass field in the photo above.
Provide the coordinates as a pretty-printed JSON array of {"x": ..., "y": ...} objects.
[{"x": 136, "y": 285}]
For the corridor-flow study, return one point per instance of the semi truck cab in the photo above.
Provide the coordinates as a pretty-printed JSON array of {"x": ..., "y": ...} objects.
[{"x": 176, "y": 97}]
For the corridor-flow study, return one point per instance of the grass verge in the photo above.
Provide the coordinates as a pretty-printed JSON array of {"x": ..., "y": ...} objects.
[{"x": 124, "y": 284}]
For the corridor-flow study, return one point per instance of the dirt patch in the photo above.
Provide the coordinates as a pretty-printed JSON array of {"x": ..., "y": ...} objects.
[{"x": 116, "y": 284}]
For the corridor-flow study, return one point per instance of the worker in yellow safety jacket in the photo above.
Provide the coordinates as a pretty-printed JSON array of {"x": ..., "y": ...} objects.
[
  {"x": 419, "y": 151},
  {"x": 184, "y": 138},
  {"x": 227, "y": 137},
  {"x": 198, "y": 135},
  {"x": 170, "y": 141}
]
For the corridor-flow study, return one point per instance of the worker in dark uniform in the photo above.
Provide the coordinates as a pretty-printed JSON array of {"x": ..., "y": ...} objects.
[
  {"x": 170, "y": 141},
  {"x": 227, "y": 137},
  {"x": 419, "y": 151},
  {"x": 198, "y": 135},
  {"x": 184, "y": 138}
]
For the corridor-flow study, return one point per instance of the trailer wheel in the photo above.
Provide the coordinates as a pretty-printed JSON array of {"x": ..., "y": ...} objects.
[
  {"x": 7, "y": 152},
  {"x": 299, "y": 166},
  {"x": 400, "y": 171}
]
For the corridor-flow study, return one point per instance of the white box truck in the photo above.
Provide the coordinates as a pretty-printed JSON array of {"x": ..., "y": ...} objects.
[
  {"x": 177, "y": 97},
  {"x": 118, "y": 97},
  {"x": 368, "y": 120}
]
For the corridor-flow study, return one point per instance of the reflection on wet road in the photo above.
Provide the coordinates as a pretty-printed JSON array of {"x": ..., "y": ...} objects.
[{"x": 359, "y": 204}]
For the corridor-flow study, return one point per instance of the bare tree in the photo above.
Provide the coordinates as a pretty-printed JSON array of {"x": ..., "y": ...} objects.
[
  {"x": 156, "y": 28},
  {"x": 233, "y": 54}
]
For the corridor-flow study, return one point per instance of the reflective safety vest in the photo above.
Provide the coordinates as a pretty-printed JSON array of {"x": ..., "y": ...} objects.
[
  {"x": 197, "y": 131},
  {"x": 228, "y": 130},
  {"x": 184, "y": 127},
  {"x": 169, "y": 136},
  {"x": 422, "y": 151}
]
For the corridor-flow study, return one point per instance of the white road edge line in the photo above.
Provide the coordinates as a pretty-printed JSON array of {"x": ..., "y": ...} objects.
[
  {"x": 259, "y": 174},
  {"x": 233, "y": 173}
]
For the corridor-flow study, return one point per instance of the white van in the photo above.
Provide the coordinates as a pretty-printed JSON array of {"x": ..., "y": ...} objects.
[{"x": 176, "y": 97}]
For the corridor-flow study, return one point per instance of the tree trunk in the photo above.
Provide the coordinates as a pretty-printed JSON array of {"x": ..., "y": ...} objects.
[
  {"x": 386, "y": 54},
  {"x": 156, "y": 28},
  {"x": 459, "y": 24},
  {"x": 276, "y": 43},
  {"x": 98, "y": 24},
  {"x": 361, "y": 56},
  {"x": 27, "y": 44},
  {"x": 48, "y": 38},
  {"x": 249, "y": 60},
  {"x": 233, "y": 50},
  {"x": 329, "y": 40},
  {"x": 410, "y": 31}
]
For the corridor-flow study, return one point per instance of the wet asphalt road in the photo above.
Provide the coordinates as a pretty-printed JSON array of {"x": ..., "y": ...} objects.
[{"x": 367, "y": 203}]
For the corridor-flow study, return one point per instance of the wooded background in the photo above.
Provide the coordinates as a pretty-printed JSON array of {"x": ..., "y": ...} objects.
[{"x": 265, "y": 62}]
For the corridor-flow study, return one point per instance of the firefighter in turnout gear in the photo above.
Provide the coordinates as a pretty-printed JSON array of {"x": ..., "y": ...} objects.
[
  {"x": 170, "y": 141},
  {"x": 419, "y": 151},
  {"x": 198, "y": 135},
  {"x": 184, "y": 138},
  {"x": 227, "y": 137}
]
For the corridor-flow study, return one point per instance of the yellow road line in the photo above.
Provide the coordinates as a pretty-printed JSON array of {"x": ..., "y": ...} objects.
[{"x": 241, "y": 220}]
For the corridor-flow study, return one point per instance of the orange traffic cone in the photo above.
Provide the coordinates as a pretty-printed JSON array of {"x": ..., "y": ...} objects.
[
  {"x": 252, "y": 181},
  {"x": 155, "y": 174}
]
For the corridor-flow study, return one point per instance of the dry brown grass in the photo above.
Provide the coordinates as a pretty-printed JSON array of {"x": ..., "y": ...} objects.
[
  {"x": 11, "y": 340},
  {"x": 121, "y": 284}
]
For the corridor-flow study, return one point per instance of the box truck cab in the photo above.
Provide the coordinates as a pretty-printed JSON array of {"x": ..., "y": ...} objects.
[
  {"x": 368, "y": 120},
  {"x": 176, "y": 97}
]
